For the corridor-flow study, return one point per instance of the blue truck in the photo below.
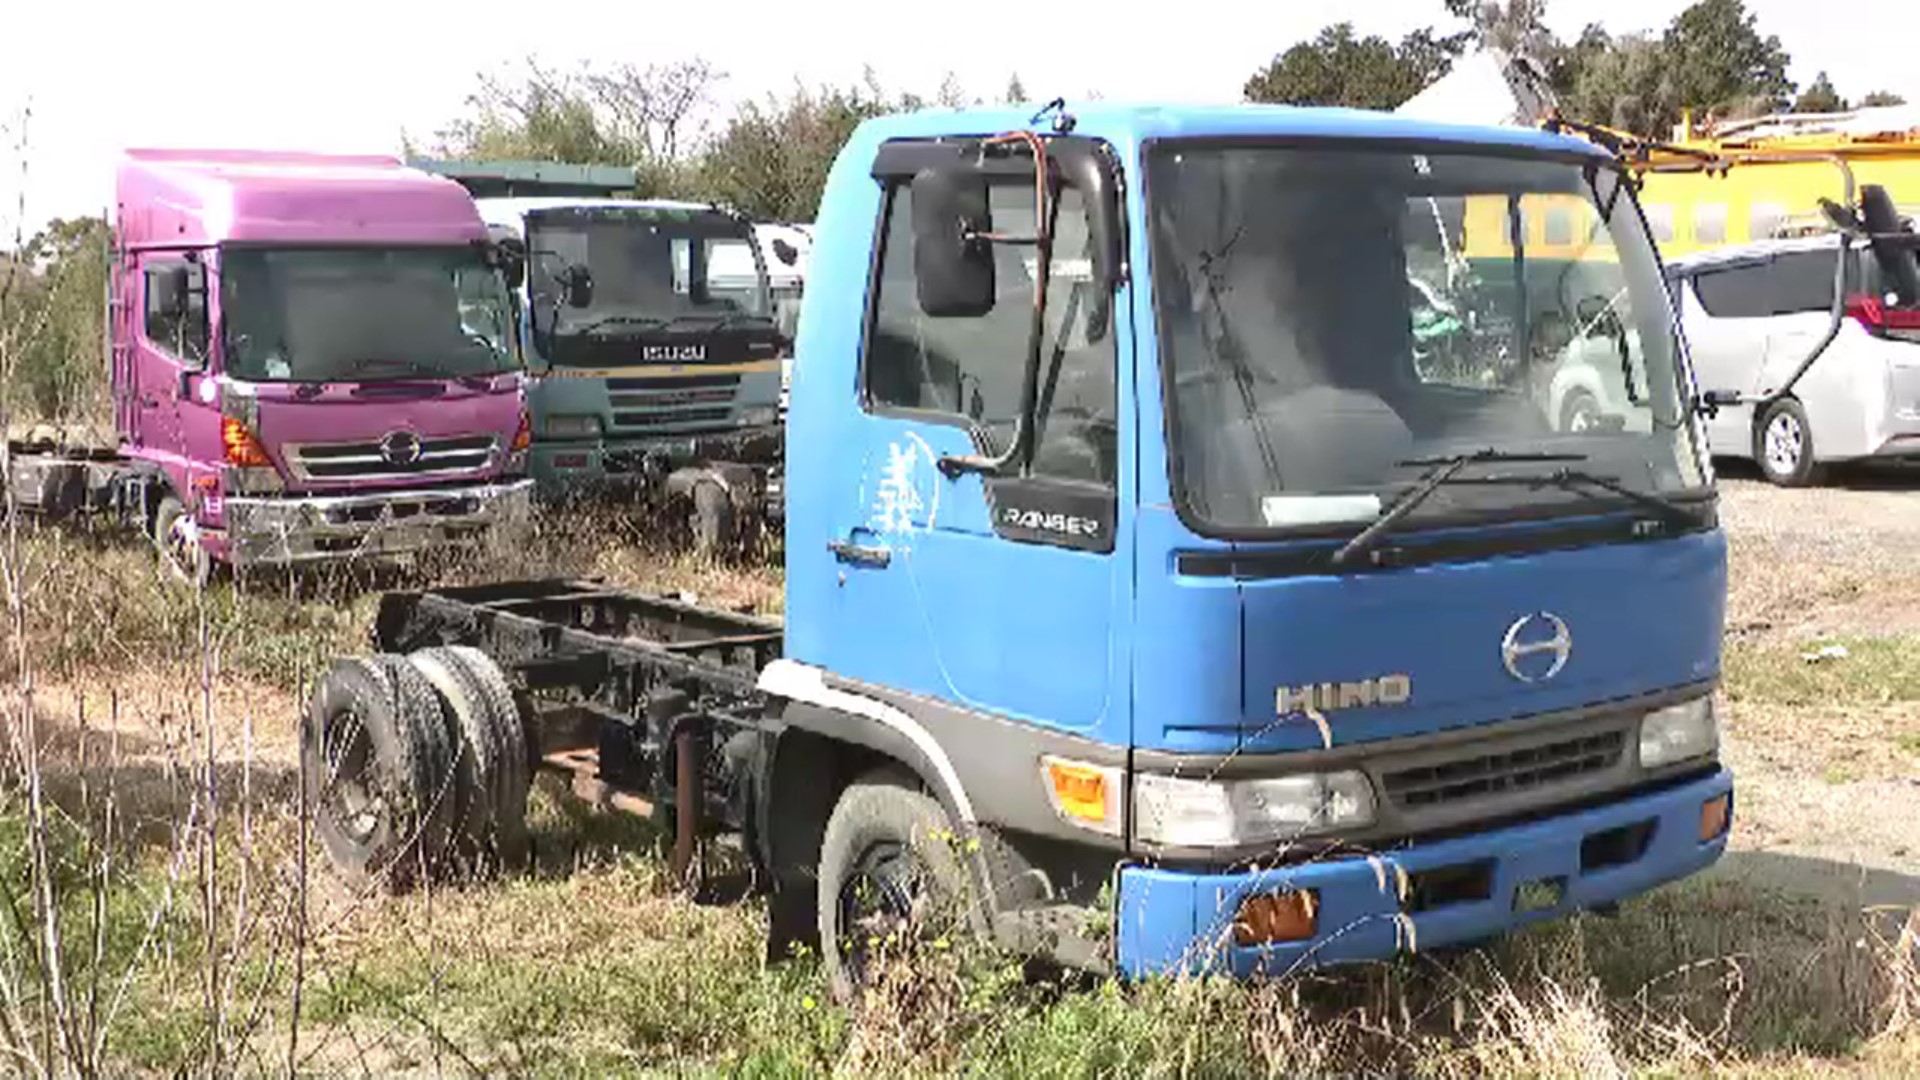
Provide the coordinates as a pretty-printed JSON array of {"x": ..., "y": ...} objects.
[
  {"x": 653, "y": 337},
  {"x": 1148, "y": 607}
]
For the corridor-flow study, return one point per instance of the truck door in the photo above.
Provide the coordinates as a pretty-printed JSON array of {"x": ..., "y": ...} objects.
[
  {"x": 1007, "y": 594},
  {"x": 173, "y": 340}
]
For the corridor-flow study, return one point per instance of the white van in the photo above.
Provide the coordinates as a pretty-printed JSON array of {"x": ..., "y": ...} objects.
[{"x": 1752, "y": 313}]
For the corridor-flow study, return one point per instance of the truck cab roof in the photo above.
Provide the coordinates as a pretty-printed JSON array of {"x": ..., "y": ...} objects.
[
  {"x": 1127, "y": 123},
  {"x": 510, "y": 211},
  {"x": 195, "y": 198}
]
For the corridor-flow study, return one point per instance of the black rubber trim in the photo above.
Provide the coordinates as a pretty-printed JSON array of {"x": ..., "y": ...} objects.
[
  {"x": 1425, "y": 549},
  {"x": 1169, "y": 426}
]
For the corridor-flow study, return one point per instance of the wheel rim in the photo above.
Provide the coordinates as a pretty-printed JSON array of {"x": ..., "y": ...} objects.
[
  {"x": 1581, "y": 417},
  {"x": 348, "y": 797},
  {"x": 877, "y": 901},
  {"x": 1783, "y": 444}
]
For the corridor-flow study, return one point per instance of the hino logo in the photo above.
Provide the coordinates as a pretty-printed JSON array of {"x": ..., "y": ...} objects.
[
  {"x": 1532, "y": 636},
  {"x": 1327, "y": 696},
  {"x": 400, "y": 448}
]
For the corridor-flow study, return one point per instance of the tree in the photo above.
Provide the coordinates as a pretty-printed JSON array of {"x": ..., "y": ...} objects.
[
  {"x": 1622, "y": 83},
  {"x": 1880, "y": 99},
  {"x": 1819, "y": 97},
  {"x": 1337, "y": 68},
  {"x": 771, "y": 159},
  {"x": 627, "y": 115},
  {"x": 1719, "y": 64},
  {"x": 1016, "y": 90},
  {"x": 54, "y": 289}
]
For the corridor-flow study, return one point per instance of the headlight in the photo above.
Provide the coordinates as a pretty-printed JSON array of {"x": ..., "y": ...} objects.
[
  {"x": 760, "y": 417},
  {"x": 1178, "y": 812},
  {"x": 1678, "y": 732},
  {"x": 572, "y": 426},
  {"x": 1173, "y": 811}
]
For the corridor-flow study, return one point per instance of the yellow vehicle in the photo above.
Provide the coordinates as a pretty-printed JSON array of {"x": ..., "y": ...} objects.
[{"x": 1768, "y": 198}]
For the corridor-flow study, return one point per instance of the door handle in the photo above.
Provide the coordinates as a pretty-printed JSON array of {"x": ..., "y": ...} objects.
[{"x": 860, "y": 554}]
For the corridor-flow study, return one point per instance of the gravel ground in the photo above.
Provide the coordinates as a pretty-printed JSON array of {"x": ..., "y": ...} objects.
[{"x": 1829, "y": 805}]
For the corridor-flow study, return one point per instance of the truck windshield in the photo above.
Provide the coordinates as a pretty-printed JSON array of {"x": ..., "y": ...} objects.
[
  {"x": 676, "y": 277},
  {"x": 362, "y": 314},
  {"x": 1329, "y": 318}
]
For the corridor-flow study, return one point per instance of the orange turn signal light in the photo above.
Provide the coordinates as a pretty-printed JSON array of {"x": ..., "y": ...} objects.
[
  {"x": 523, "y": 436},
  {"x": 1079, "y": 791},
  {"x": 1715, "y": 813},
  {"x": 1271, "y": 917},
  {"x": 240, "y": 446}
]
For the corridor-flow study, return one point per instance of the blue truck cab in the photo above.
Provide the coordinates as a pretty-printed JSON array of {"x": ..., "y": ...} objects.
[{"x": 1236, "y": 632}]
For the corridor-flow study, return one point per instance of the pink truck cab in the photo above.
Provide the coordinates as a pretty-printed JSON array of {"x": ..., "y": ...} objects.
[{"x": 312, "y": 358}]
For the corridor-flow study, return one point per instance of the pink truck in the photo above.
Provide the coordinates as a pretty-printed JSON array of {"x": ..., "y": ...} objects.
[{"x": 312, "y": 358}]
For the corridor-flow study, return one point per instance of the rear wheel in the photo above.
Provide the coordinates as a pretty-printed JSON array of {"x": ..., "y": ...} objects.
[
  {"x": 1783, "y": 445},
  {"x": 889, "y": 871},
  {"x": 378, "y": 765},
  {"x": 491, "y": 752}
]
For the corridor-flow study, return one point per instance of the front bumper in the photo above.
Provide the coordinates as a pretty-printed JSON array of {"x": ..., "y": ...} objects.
[
  {"x": 647, "y": 459},
  {"x": 1172, "y": 921},
  {"x": 301, "y": 529}
]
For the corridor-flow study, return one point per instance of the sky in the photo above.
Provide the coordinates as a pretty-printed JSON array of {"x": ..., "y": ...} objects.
[{"x": 352, "y": 75}]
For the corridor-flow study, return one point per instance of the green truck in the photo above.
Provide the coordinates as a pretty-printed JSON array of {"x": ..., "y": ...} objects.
[{"x": 651, "y": 336}]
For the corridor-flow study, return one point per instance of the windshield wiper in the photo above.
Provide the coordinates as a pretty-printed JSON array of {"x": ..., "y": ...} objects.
[
  {"x": 411, "y": 367},
  {"x": 648, "y": 321},
  {"x": 1439, "y": 471},
  {"x": 1571, "y": 479}
]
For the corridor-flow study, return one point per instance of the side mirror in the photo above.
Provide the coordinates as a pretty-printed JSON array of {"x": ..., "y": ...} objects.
[
  {"x": 577, "y": 280},
  {"x": 952, "y": 264},
  {"x": 168, "y": 288},
  {"x": 512, "y": 256},
  {"x": 1897, "y": 260},
  {"x": 784, "y": 251}
]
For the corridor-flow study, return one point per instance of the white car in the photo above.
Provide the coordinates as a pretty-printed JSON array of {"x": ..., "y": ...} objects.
[{"x": 1753, "y": 312}]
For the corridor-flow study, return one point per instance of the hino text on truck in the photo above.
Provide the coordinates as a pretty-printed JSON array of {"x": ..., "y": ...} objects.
[
  {"x": 1148, "y": 607},
  {"x": 311, "y": 358},
  {"x": 650, "y": 332}
]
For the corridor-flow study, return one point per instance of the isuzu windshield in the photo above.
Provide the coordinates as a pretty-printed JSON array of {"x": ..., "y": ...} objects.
[
  {"x": 1332, "y": 321},
  {"x": 655, "y": 279}
]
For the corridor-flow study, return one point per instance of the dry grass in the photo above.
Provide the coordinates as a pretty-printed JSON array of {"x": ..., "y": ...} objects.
[{"x": 592, "y": 964}]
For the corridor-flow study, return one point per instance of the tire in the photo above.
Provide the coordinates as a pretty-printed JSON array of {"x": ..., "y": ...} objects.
[
  {"x": 885, "y": 832},
  {"x": 1578, "y": 411},
  {"x": 491, "y": 751},
  {"x": 177, "y": 540},
  {"x": 712, "y": 518},
  {"x": 1783, "y": 445},
  {"x": 378, "y": 762}
]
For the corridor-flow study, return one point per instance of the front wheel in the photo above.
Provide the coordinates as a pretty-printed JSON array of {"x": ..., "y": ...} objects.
[
  {"x": 889, "y": 870},
  {"x": 1783, "y": 445},
  {"x": 1580, "y": 412},
  {"x": 181, "y": 546}
]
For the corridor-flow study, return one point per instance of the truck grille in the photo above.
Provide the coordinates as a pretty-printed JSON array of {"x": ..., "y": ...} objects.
[
  {"x": 1506, "y": 772},
  {"x": 360, "y": 460},
  {"x": 678, "y": 399}
]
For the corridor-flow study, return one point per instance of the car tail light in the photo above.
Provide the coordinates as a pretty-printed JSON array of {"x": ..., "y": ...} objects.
[
  {"x": 523, "y": 436},
  {"x": 241, "y": 446},
  {"x": 1878, "y": 318}
]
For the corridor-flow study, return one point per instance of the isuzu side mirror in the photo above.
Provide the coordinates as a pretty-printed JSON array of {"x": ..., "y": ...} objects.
[
  {"x": 577, "y": 280},
  {"x": 952, "y": 259},
  {"x": 512, "y": 256}
]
